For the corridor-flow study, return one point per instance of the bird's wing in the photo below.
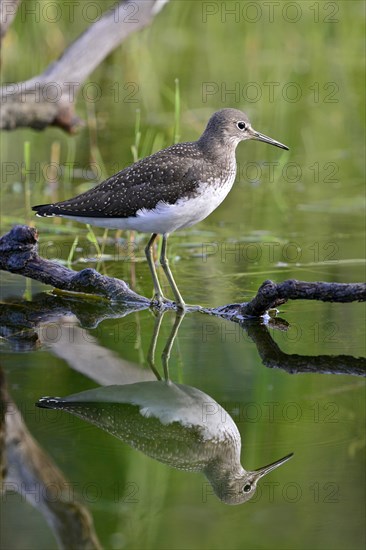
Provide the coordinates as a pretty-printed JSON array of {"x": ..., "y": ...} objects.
[{"x": 164, "y": 176}]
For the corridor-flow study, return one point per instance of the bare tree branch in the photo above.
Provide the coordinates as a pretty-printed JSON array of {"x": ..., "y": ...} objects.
[{"x": 28, "y": 103}]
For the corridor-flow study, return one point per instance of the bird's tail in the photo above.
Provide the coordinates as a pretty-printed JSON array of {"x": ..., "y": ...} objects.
[
  {"x": 51, "y": 403},
  {"x": 43, "y": 210}
]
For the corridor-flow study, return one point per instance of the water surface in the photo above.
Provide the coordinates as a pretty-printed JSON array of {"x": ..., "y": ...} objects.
[{"x": 296, "y": 214}]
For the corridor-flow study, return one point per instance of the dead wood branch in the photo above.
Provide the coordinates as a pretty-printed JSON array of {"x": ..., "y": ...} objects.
[
  {"x": 48, "y": 99},
  {"x": 19, "y": 254},
  {"x": 271, "y": 295},
  {"x": 23, "y": 324}
]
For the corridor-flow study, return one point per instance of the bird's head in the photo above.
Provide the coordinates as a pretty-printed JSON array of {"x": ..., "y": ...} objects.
[
  {"x": 237, "y": 489},
  {"x": 232, "y": 126}
]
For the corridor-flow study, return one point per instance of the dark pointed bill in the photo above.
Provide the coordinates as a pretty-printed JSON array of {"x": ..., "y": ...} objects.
[
  {"x": 261, "y": 137},
  {"x": 266, "y": 469}
]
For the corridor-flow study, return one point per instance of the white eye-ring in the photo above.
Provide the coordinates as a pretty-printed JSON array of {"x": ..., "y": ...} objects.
[
  {"x": 241, "y": 125},
  {"x": 247, "y": 488}
]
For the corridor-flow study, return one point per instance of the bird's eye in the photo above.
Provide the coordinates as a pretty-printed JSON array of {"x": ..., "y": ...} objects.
[
  {"x": 241, "y": 125},
  {"x": 247, "y": 488}
]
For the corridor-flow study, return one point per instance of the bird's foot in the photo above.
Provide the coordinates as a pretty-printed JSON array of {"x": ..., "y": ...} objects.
[
  {"x": 158, "y": 300},
  {"x": 181, "y": 306}
]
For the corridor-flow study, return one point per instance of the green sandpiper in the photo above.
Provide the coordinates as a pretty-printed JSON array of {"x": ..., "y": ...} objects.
[{"x": 170, "y": 190}]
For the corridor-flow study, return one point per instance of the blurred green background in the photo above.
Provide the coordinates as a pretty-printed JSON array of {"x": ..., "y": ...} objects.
[{"x": 297, "y": 70}]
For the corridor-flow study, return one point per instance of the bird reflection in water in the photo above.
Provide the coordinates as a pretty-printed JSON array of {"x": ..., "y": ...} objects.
[{"x": 175, "y": 424}]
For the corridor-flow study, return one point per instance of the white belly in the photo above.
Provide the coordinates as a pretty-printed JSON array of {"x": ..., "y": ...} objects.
[{"x": 166, "y": 218}]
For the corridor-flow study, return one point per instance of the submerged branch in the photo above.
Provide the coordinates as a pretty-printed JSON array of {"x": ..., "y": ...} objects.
[
  {"x": 54, "y": 322},
  {"x": 271, "y": 295},
  {"x": 19, "y": 254}
]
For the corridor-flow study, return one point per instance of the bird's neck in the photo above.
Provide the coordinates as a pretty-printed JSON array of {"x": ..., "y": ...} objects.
[
  {"x": 217, "y": 149},
  {"x": 224, "y": 474}
]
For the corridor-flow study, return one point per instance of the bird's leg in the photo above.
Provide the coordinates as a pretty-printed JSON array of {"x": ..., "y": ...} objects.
[
  {"x": 168, "y": 347},
  {"x": 152, "y": 348},
  {"x": 165, "y": 265},
  {"x": 158, "y": 293}
]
